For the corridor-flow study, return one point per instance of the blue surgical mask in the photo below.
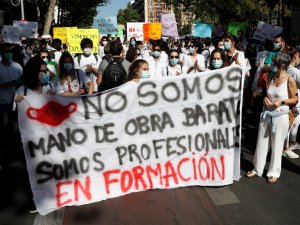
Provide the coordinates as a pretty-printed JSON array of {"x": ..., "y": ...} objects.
[
  {"x": 217, "y": 63},
  {"x": 192, "y": 50},
  {"x": 68, "y": 67},
  {"x": 132, "y": 43},
  {"x": 156, "y": 54},
  {"x": 174, "y": 48},
  {"x": 277, "y": 46},
  {"x": 7, "y": 56},
  {"x": 298, "y": 62},
  {"x": 174, "y": 61},
  {"x": 227, "y": 45},
  {"x": 222, "y": 47},
  {"x": 45, "y": 79},
  {"x": 145, "y": 74}
]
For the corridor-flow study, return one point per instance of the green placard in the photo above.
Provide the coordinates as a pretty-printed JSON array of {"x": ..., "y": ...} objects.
[{"x": 233, "y": 27}]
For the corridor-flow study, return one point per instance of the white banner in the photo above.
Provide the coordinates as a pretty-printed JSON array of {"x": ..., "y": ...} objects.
[
  {"x": 27, "y": 29},
  {"x": 266, "y": 31},
  {"x": 135, "y": 30},
  {"x": 162, "y": 133},
  {"x": 11, "y": 34}
]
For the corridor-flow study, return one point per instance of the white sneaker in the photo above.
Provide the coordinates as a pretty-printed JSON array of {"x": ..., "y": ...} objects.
[
  {"x": 294, "y": 147},
  {"x": 290, "y": 154}
]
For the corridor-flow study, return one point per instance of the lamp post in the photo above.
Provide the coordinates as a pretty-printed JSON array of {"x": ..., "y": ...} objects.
[{"x": 22, "y": 9}]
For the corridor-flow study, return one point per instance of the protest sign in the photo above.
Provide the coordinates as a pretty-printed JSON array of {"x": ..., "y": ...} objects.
[
  {"x": 11, "y": 34},
  {"x": 61, "y": 33},
  {"x": 135, "y": 30},
  {"x": 74, "y": 37},
  {"x": 169, "y": 25},
  {"x": 163, "y": 133},
  {"x": 266, "y": 31},
  {"x": 106, "y": 25},
  {"x": 27, "y": 29},
  {"x": 152, "y": 31},
  {"x": 120, "y": 33},
  {"x": 233, "y": 27},
  {"x": 202, "y": 30}
]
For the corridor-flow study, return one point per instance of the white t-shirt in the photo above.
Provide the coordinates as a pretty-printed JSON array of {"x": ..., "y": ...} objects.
[
  {"x": 57, "y": 56},
  {"x": 188, "y": 63},
  {"x": 9, "y": 73},
  {"x": 172, "y": 71},
  {"x": 72, "y": 84},
  {"x": 92, "y": 60},
  {"x": 28, "y": 92},
  {"x": 157, "y": 69}
]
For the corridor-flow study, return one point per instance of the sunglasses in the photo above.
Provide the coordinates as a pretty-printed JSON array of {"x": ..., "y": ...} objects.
[
  {"x": 44, "y": 57},
  {"x": 174, "y": 57},
  {"x": 158, "y": 50},
  {"x": 139, "y": 54}
]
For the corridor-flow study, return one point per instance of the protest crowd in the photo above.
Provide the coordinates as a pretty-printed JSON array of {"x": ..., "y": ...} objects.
[{"x": 271, "y": 71}]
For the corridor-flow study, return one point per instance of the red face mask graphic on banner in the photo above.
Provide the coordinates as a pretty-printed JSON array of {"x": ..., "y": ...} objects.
[{"x": 52, "y": 113}]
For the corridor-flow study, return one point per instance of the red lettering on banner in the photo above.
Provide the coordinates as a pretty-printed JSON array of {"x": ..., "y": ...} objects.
[
  {"x": 107, "y": 179},
  {"x": 214, "y": 166},
  {"x": 202, "y": 159},
  {"x": 138, "y": 172},
  {"x": 179, "y": 169},
  {"x": 59, "y": 194},
  {"x": 156, "y": 172},
  {"x": 125, "y": 187},
  {"x": 85, "y": 190},
  {"x": 77, "y": 185},
  {"x": 170, "y": 172},
  {"x": 141, "y": 178}
]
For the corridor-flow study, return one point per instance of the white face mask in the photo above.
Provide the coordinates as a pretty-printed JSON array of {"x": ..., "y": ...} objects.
[
  {"x": 87, "y": 51},
  {"x": 104, "y": 42}
]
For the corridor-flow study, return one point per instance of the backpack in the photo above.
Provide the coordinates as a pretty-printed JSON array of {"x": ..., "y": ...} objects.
[{"x": 114, "y": 75}]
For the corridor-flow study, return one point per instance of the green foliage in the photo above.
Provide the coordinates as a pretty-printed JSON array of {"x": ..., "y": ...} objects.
[
  {"x": 79, "y": 13},
  {"x": 128, "y": 15},
  {"x": 222, "y": 12}
]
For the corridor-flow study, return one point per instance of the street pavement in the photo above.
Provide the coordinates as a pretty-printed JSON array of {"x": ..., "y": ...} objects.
[{"x": 250, "y": 201}]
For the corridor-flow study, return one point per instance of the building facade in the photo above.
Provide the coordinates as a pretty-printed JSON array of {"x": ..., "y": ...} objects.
[{"x": 151, "y": 9}]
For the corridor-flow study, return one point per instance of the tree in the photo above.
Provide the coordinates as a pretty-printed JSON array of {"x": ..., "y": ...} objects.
[
  {"x": 78, "y": 13},
  {"x": 49, "y": 17},
  {"x": 128, "y": 15}
]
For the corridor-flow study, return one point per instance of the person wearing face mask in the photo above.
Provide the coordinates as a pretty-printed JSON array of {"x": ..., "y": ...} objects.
[
  {"x": 27, "y": 55},
  {"x": 274, "y": 120},
  {"x": 72, "y": 81},
  {"x": 280, "y": 45},
  {"x": 139, "y": 69},
  {"x": 157, "y": 64},
  {"x": 10, "y": 74},
  {"x": 132, "y": 42},
  {"x": 103, "y": 43},
  {"x": 176, "y": 46},
  {"x": 233, "y": 56},
  {"x": 51, "y": 65},
  {"x": 88, "y": 62},
  {"x": 217, "y": 59},
  {"x": 194, "y": 62},
  {"x": 174, "y": 68}
]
